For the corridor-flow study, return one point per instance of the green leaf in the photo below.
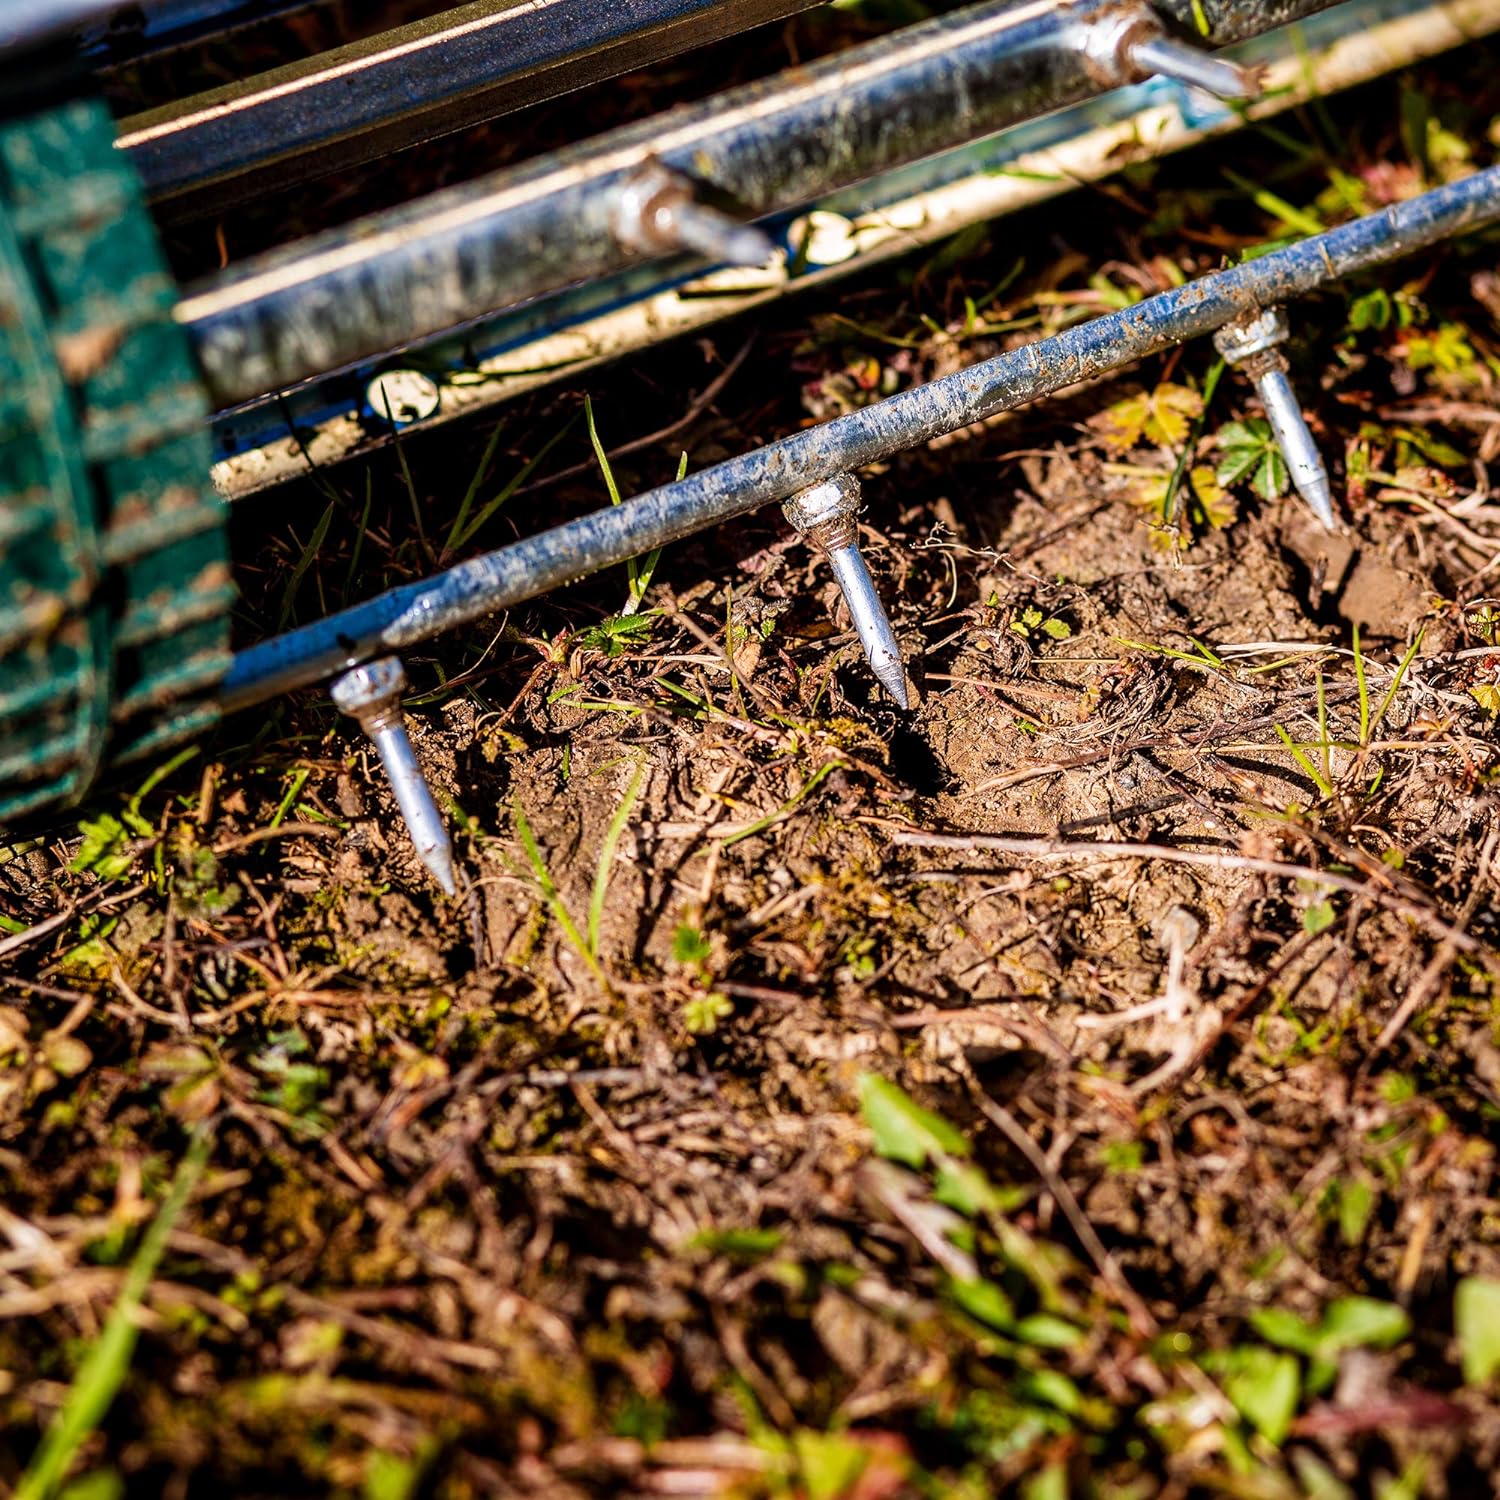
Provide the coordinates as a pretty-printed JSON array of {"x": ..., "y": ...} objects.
[
  {"x": 1347, "y": 1323},
  {"x": 1050, "y": 1483},
  {"x": 963, "y": 1187},
  {"x": 101, "y": 1484},
  {"x": 1048, "y": 1332},
  {"x": 829, "y": 1463},
  {"x": 103, "y": 850},
  {"x": 388, "y": 1477},
  {"x": 1318, "y": 1481},
  {"x": 1318, "y": 917},
  {"x": 1476, "y": 1321},
  {"x": 1272, "y": 477},
  {"x": 1361, "y": 1323},
  {"x": 745, "y": 1244},
  {"x": 984, "y": 1301},
  {"x": 903, "y": 1130},
  {"x": 689, "y": 946},
  {"x": 702, "y": 1014},
  {"x": 1356, "y": 1204},
  {"x": 1282, "y": 1327},
  {"x": 1264, "y": 1387},
  {"x": 1053, "y": 1387}
]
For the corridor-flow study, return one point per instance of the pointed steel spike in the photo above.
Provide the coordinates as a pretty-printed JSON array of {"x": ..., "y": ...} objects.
[
  {"x": 824, "y": 515},
  {"x": 871, "y": 623},
  {"x": 1251, "y": 343},
  {"x": 372, "y": 694},
  {"x": 657, "y": 210},
  {"x": 1303, "y": 461},
  {"x": 1173, "y": 59}
]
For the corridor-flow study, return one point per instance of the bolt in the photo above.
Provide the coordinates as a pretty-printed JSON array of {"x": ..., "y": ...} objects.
[
  {"x": 372, "y": 694},
  {"x": 1251, "y": 344},
  {"x": 658, "y": 211},
  {"x": 1130, "y": 45},
  {"x": 1164, "y": 54},
  {"x": 824, "y": 515}
]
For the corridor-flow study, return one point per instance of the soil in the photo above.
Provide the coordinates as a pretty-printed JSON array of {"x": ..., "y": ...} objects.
[{"x": 584, "y": 1182}]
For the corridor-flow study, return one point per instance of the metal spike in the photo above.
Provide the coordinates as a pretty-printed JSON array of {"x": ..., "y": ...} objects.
[
  {"x": 659, "y": 210},
  {"x": 372, "y": 694},
  {"x": 1164, "y": 54},
  {"x": 824, "y": 515},
  {"x": 1251, "y": 344}
]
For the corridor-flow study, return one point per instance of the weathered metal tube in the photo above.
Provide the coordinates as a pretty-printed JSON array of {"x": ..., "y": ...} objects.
[
  {"x": 524, "y": 569},
  {"x": 104, "y": 31},
  {"x": 356, "y": 103},
  {"x": 389, "y": 280},
  {"x": 894, "y": 213}
]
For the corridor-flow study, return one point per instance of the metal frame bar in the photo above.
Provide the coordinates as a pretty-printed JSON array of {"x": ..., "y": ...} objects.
[
  {"x": 360, "y": 102},
  {"x": 896, "y": 213},
  {"x": 395, "y": 278},
  {"x": 509, "y": 575},
  {"x": 108, "y": 31}
]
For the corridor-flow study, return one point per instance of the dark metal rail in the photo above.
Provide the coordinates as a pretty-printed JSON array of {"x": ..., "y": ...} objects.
[
  {"x": 106, "y": 31},
  {"x": 360, "y": 102},
  {"x": 392, "y": 279},
  {"x": 527, "y": 568}
]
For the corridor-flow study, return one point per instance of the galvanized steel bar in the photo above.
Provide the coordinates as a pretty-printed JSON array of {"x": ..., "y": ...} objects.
[
  {"x": 559, "y": 337},
  {"x": 397, "y": 277},
  {"x": 359, "y": 102},
  {"x": 524, "y": 569}
]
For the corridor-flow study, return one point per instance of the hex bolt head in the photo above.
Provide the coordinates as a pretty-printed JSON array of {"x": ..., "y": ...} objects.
[
  {"x": 1252, "y": 335},
  {"x": 824, "y": 514},
  {"x": 371, "y": 693},
  {"x": 368, "y": 688},
  {"x": 832, "y": 502}
]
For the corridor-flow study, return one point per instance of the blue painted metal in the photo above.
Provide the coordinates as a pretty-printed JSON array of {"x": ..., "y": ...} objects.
[{"x": 511, "y": 574}]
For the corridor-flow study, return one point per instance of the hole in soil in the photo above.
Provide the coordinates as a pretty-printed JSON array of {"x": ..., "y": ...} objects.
[{"x": 914, "y": 763}]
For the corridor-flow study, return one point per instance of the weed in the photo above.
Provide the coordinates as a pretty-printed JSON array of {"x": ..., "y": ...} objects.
[{"x": 107, "y": 1360}]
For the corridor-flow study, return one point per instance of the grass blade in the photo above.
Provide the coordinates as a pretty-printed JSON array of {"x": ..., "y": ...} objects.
[
  {"x": 309, "y": 552},
  {"x": 1395, "y": 686},
  {"x": 457, "y": 538},
  {"x": 1304, "y": 761},
  {"x": 1364, "y": 692},
  {"x": 456, "y": 531},
  {"x": 107, "y": 1362},
  {"x": 551, "y": 895},
  {"x": 648, "y": 564},
  {"x": 808, "y": 786},
  {"x": 612, "y": 836}
]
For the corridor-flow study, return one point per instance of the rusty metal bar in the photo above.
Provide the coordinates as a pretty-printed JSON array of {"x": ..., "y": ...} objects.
[{"x": 524, "y": 569}]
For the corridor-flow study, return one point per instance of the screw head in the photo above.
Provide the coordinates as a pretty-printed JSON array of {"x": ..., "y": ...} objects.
[
  {"x": 1237, "y": 341},
  {"x": 645, "y": 203},
  {"x": 368, "y": 686},
  {"x": 833, "y": 500}
]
